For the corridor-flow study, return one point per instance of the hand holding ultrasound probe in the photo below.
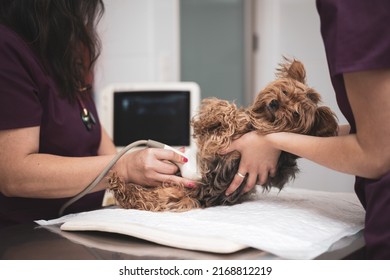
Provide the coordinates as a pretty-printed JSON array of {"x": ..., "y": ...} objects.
[{"x": 188, "y": 168}]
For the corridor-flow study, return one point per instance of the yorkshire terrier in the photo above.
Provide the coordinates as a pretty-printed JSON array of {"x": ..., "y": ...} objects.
[{"x": 287, "y": 104}]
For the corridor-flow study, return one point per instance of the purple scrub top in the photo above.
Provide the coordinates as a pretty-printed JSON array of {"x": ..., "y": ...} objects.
[
  {"x": 356, "y": 36},
  {"x": 29, "y": 98}
]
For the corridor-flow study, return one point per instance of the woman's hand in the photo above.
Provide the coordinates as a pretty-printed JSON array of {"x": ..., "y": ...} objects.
[
  {"x": 258, "y": 160},
  {"x": 152, "y": 167}
]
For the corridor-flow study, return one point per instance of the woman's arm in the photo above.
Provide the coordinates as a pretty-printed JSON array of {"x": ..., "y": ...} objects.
[{"x": 26, "y": 173}]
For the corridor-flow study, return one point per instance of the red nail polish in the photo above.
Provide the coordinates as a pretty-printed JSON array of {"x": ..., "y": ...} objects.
[
  {"x": 185, "y": 159},
  {"x": 190, "y": 185}
]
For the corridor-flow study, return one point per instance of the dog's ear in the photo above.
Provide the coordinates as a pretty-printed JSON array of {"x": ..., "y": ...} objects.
[
  {"x": 292, "y": 69},
  {"x": 325, "y": 123}
]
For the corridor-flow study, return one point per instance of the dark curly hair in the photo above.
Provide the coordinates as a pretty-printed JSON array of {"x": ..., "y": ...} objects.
[{"x": 62, "y": 33}]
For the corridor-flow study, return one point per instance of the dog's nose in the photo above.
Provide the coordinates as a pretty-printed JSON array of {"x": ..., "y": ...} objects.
[{"x": 274, "y": 105}]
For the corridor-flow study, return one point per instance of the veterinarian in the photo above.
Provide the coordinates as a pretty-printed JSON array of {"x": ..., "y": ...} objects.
[
  {"x": 51, "y": 142},
  {"x": 356, "y": 36}
]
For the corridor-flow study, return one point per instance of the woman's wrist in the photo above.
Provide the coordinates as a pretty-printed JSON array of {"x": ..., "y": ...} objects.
[
  {"x": 272, "y": 139},
  {"x": 280, "y": 140},
  {"x": 120, "y": 168}
]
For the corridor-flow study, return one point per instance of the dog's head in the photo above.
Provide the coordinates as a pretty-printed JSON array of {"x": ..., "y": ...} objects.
[{"x": 289, "y": 104}]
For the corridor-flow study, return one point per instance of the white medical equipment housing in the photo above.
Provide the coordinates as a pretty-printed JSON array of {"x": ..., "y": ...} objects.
[{"x": 157, "y": 111}]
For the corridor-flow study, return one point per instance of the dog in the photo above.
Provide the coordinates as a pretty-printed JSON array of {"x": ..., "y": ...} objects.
[{"x": 287, "y": 104}]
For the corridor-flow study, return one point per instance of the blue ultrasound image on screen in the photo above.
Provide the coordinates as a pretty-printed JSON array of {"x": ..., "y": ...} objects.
[{"x": 162, "y": 116}]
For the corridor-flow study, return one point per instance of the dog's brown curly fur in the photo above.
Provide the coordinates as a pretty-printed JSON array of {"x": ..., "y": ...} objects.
[{"x": 286, "y": 104}]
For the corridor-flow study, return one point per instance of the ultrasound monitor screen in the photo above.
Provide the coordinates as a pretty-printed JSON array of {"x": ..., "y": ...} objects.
[{"x": 162, "y": 116}]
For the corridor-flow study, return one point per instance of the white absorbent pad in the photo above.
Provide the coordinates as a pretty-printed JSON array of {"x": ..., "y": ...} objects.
[{"x": 291, "y": 224}]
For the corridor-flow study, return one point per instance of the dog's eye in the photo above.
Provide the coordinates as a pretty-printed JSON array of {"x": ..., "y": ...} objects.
[
  {"x": 284, "y": 92},
  {"x": 274, "y": 104},
  {"x": 313, "y": 96}
]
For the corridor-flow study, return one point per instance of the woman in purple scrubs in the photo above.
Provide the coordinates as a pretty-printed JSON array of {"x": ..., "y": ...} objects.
[
  {"x": 51, "y": 142},
  {"x": 356, "y": 34}
]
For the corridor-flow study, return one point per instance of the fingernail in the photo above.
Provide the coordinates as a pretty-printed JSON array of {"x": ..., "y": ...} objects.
[
  {"x": 191, "y": 185},
  {"x": 185, "y": 159}
]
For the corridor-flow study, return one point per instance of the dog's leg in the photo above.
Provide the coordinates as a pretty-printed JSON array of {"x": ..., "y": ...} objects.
[{"x": 168, "y": 197}]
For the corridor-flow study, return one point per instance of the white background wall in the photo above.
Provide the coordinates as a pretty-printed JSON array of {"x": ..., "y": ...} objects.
[{"x": 141, "y": 44}]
